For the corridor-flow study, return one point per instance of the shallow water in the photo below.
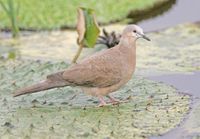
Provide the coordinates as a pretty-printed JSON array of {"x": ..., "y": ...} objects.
[
  {"x": 183, "y": 11},
  {"x": 188, "y": 83}
]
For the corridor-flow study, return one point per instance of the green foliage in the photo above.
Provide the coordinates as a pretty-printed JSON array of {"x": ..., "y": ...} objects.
[
  {"x": 88, "y": 30},
  {"x": 11, "y": 9},
  {"x": 53, "y": 14},
  {"x": 92, "y": 30}
]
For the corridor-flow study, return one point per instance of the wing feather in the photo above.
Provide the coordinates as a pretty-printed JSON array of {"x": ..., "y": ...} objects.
[{"x": 100, "y": 70}]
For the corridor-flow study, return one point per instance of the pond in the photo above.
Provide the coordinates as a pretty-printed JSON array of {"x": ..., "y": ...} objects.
[
  {"x": 188, "y": 83},
  {"x": 180, "y": 11}
]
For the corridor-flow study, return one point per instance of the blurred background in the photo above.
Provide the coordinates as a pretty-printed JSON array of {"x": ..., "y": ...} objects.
[
  {"x": 61, "y": 14},
  {"x": 27, "y": 17}
]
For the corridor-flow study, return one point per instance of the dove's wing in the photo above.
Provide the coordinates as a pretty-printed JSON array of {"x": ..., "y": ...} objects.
[{"x": 100, "y": 70}]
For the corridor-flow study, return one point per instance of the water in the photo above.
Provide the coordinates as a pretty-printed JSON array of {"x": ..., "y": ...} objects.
[
  {"x": 188, "y": 83},
  {"x": 183, "y": 11}
]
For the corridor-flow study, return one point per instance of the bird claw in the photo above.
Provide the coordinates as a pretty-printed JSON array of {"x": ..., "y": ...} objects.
[
  {"x": 102, "y": 102},
  {"x": 112, "y": 101},
  {"x": 102, "y": 105}
]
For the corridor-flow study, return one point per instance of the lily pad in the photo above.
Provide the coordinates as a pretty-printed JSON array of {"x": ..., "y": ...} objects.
[{"x": 153, "y": 108}]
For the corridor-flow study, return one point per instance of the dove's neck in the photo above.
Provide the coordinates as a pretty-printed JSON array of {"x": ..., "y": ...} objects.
[
  {"x": 127, "y": 47},
  {"x": 128, "y": 43}
]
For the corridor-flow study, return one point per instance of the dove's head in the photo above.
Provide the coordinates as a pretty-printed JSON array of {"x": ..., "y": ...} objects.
[{"x": 134, "y": 32}]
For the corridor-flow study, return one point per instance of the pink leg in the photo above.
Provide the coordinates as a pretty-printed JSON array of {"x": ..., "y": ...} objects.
[
  {"x": 102, "y": 102},
  {"x": 113, "y": 100}
]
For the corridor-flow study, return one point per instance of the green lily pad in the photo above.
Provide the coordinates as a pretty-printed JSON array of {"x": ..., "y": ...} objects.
[{"x": 153, "y": 108}]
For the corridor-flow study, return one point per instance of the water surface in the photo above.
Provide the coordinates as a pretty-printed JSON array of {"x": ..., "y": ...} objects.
[{"x": 183, "y": 11}]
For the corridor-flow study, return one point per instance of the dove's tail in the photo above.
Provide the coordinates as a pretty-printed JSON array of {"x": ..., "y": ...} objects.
[{"x": 44, "y": 85}]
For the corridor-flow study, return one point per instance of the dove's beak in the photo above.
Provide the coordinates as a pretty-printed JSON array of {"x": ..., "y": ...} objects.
[{"x": 144, "y": 36}]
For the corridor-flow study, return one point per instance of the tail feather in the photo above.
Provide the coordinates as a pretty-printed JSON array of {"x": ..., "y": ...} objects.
[{"x": 44, "y": 85}]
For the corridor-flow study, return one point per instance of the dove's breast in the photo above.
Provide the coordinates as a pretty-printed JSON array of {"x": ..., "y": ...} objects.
[{"x": 127, "y": 68}]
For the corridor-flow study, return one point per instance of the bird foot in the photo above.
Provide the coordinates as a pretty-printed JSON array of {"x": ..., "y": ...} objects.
[
  {"x": 102, "y": 102},
  {"x": 102, "y": 105},
  {"x": 113, "y": 101}
]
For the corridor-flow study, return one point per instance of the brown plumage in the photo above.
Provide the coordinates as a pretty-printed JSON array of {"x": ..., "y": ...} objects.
[{"x": 100, "y": 74}]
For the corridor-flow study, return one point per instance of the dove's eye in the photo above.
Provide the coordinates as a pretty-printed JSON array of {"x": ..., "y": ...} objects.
[{"x": 134, "y": 31}]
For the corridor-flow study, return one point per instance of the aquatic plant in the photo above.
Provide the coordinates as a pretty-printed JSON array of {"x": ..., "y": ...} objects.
[
  {"x": 88, "y": 30},
  {"x": 12, "y": 9}
]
